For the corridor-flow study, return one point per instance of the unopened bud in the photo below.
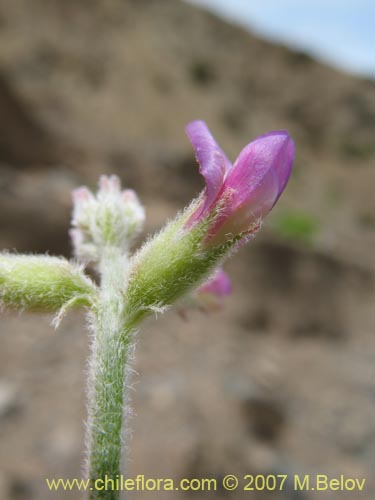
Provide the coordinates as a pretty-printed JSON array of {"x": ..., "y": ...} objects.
[{"x": 111, "y": 218}]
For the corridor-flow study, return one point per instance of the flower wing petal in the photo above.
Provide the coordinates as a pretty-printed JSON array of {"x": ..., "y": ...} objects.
[{"x": 213, "y": 164}]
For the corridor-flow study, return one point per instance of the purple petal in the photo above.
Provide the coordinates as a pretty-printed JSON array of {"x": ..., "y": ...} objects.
[
  {"x": 219, "y": 285},
  {"x": 261, "y": 171},
  {"x": 213, "y": 164}
]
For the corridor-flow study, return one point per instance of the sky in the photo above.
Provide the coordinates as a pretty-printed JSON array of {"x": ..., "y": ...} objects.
[{"x": 339, "y": 32}]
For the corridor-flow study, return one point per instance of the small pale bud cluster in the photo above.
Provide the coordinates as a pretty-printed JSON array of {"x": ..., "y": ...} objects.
[{"x": 111, "y": 218}]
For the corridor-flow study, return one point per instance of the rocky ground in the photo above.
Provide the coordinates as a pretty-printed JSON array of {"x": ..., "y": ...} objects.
[{"x": 281, "y": 381}]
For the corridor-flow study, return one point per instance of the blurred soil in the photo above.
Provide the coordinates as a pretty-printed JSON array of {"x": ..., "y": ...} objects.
[{"x": 282, "y": 380}]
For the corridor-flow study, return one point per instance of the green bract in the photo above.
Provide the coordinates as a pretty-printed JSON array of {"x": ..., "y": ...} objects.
[{"x": 42, "y": 283}]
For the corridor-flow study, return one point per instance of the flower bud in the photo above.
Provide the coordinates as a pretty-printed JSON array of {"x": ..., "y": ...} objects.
[{"x": 111, "y": 218}]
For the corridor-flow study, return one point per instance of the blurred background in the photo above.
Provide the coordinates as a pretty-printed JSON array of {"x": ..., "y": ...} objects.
[{"x": 282, "y": 380}]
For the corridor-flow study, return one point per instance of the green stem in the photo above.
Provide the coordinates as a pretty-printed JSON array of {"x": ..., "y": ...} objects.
[{"x": 107, "y": 398}]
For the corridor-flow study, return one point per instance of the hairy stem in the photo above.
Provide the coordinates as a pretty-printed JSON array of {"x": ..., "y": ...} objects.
[{"x": 107, "y": 406}]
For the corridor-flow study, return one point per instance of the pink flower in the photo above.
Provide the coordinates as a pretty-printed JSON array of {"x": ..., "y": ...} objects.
[
  {"x": 239, "y": 195},
  {"x": 210, "y": 296},
  {"x": 219, "y": 285}
]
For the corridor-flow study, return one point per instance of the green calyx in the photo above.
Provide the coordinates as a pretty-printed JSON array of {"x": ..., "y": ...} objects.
[{"x": 170, "y": 265}]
